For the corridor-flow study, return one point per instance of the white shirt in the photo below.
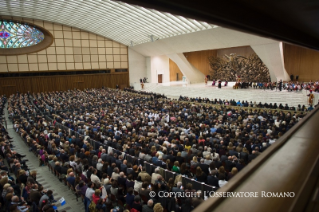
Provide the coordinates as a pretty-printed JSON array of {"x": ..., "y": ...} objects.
[
  {"x": 115, "y": 176},
  {"x": 137, "y": 186},
  {"x": 109, "y": 150},
  {"x": 160, "y": 153},
  {"x": 95, "y": 179},
  {"x": 104, "y": 193},
  {"x": 154, "y": 177},
  {"x": 99, "y": 166},
  {"x": 156, "y": 116},
  {"x": 216, "y": 156},
  {"x": 221, "y": 183},
  {"x": 205, "y": 153},
  {"x": 84, "y": 173},
  {"x": 167, "y": 118},
  {"x": 167, "y": 143},
  {"x": 73, "y": 164},
  {"x": 272, "y": 141},
  {"x": 89, "y": 193}
]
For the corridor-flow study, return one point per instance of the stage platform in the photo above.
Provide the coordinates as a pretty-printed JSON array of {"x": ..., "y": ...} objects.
[{"x": 175, "y": 89}]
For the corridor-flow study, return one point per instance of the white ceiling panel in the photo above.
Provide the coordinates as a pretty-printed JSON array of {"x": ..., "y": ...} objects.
[{"x": 116, "y": 20}]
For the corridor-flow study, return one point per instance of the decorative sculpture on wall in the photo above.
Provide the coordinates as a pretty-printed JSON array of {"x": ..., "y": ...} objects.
[{"x": 250, "y": 69}]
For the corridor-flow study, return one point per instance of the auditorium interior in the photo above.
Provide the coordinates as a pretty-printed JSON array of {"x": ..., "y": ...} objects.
[{"x": 134, "y": 99}]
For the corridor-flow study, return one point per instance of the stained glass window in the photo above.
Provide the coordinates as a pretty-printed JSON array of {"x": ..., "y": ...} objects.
[{"x": 17, "y": 35}]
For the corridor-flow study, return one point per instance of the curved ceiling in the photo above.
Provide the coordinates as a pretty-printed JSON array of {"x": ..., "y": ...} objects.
[{"x": 119, "y": 21}]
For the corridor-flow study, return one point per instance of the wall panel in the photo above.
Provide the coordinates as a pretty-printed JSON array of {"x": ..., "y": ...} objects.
[
  {"x": 199, "y": 60},
  {"x": 302, "y": 62},
  {"x": 10, "y": 85},
  {"x": 174, "y": 70},
  {"x": 68, "y": 46}
]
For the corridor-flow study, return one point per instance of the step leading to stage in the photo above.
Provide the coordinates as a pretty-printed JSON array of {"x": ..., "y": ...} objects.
[{"x": 227, "y": 93}]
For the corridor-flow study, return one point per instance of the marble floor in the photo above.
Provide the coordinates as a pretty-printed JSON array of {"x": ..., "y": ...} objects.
[{"x": 174, "y": 90}]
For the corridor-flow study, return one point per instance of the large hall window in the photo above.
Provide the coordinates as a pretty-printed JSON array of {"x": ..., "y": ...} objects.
[{"x": 18, "y": 35}]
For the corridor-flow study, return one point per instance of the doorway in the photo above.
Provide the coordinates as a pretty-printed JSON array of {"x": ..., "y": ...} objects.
[{"x": 160, "y": 78}]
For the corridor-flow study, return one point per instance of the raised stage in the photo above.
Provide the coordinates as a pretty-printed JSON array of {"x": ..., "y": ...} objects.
[{"x": 175, "y": 89}]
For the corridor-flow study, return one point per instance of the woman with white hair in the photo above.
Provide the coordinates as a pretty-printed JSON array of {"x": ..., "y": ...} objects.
[{"x": 99, "y": 164}]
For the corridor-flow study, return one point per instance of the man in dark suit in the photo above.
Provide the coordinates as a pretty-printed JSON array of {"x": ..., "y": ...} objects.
[
  {"x": 123, "y": 166},
  {"x": 64, "y": 157},
  {"x": 160, "y": 162},
  {"x": 178, "y": 188},
  {"x": 212, "y": 179},
  {"x": 280, "y": 85},
  {"x": 145, "y": 191},
  {"x": 79, "y": 141},
  {"x": 118, "y": 161},
  {"x": 204, "y": 166},
  {"x": 121, "y": 180},
  {"x": 229, "y": 164},
  {"x": 35, "y": 195},
  {"x": 82, "y": 154},
  {"x": 111, "y": 159},
  {"x": 244, "y": 156},
  {"x": 104, "y": 155},
  {"x": 248, "y": 146},
  {"x": 155, "y": 158},
  {"x": 64, "y": 170},
  {"x": 217, "y": 163},
  {"x": 57, "y": 140},
  {"x": 57, "y": 167},
  {"x": 189, "y": 156},
  {"x": 171, "y": 156},
  {"x": 73, "y": 140},
  {"x": 131, "y": 151},
  {"x": 233, "y": 152},
  {"x": 252, "y": 156}
]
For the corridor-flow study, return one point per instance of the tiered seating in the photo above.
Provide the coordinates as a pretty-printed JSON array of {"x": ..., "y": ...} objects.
[
  {"x": 35, "y": 151},
  {"x": 126, "y": 124}
]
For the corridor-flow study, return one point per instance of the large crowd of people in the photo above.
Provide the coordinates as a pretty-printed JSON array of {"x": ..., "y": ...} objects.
[
  {"x": 244, "y": 104},
  {"x": 228, "y": 67},
  {"x": 290, "y": 86},
  {"x": 19, "y": 188},
  {"x": 209, "y": 143}
]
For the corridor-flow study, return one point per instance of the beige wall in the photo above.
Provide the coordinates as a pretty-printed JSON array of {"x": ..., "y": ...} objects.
[
  {"x": 199, "y": 60},
  {"x": 173, "y": 70},
  {"x": 302, "y": 62},
  {"x": 72, "y": 49}
]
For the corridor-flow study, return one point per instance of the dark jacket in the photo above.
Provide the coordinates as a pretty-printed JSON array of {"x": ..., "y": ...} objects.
[{"x": 213, "y": 181}]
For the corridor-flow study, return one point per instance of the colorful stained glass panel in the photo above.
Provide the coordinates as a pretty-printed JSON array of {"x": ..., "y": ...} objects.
[{"x": 17, "y": 35}]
